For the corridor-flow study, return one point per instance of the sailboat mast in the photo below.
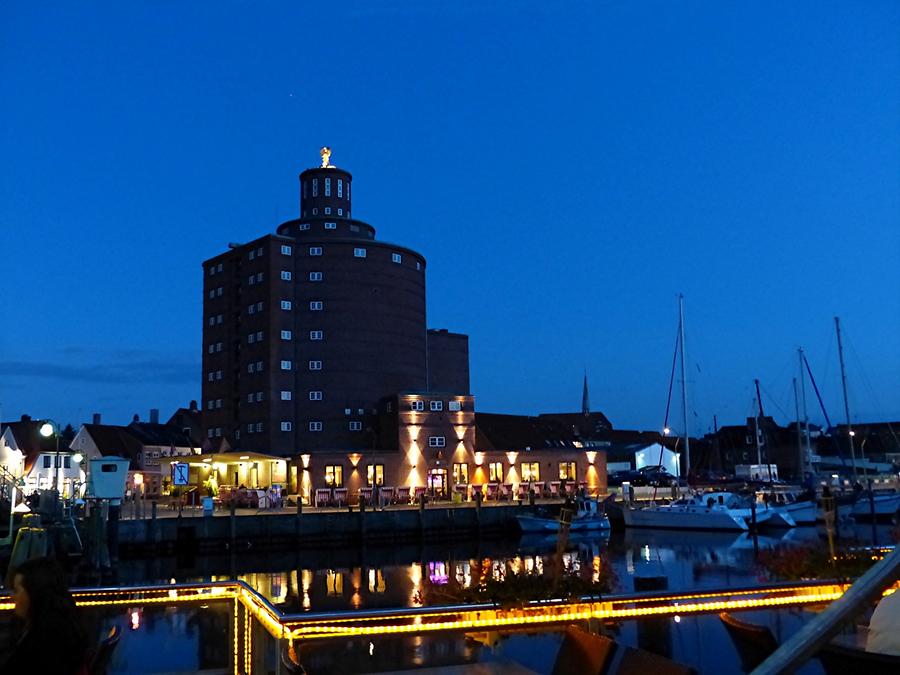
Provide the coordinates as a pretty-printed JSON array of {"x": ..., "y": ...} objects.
[
  {"x": 800, "y": 463},
  {"x": 837, "y": 328},
  {"x": 684, "y": 407},
  {"x": 808, "y": 454}
]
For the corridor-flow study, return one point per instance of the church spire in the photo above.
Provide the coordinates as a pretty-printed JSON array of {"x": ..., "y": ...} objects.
[{"x": 585, "y": 401}]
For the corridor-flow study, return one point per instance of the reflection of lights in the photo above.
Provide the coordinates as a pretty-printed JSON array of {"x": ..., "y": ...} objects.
[
  {"x": 306, "y": 578},
  {"x": 334, "y": 582},
  {"x": 645, "y": 553},
  {"x": 135, "y": 619},
  {"x": 415, "y": 578},
  {"x": 595, "y": 577},
  {"x": 437, "y": 573},
  {"x": 371, "y": 648},
  {"x": 677, "y": 618},
  {"x": 464, "y": 574}
]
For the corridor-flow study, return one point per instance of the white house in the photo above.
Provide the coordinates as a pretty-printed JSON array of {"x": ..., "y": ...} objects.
[{"x": 37, "y": 460}]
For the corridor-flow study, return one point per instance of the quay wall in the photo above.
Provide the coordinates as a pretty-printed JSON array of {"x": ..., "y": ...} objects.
[{"x": 209, "y": 533}]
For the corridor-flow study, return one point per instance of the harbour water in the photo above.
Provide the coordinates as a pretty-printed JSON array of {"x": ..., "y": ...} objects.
[{"x": 188, "y": 639}]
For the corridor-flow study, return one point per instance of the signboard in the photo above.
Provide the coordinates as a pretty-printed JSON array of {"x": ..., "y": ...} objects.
[{"x": 180, "y": 472}]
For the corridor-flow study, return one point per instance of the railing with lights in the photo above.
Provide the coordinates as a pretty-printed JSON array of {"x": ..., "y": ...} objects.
[{"x": 321, "y": 625}]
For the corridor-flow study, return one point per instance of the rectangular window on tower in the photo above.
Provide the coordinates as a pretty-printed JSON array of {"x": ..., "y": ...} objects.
[
  {"x": 340, "y": 188},
  {"x": 315, "y": 187},
  {"x": 327, "y": 187}
]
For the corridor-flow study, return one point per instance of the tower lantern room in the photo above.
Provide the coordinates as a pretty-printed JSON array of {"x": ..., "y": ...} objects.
[{"x": 325, "y": 190}]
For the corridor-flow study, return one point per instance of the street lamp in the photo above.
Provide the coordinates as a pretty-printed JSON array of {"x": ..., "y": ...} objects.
[{"x": 47, "y": 430}]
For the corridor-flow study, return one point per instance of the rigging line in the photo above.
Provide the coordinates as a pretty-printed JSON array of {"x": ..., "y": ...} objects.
[
  {"x": 773, "y": 401},
  {"x": 824, "y": 412},
  {"x": 669, "y": 397},
  {"x": 879, "y": 410}
]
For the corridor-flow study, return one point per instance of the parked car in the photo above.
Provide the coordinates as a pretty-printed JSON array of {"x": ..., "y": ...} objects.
[{"x": 654, "y": 476}]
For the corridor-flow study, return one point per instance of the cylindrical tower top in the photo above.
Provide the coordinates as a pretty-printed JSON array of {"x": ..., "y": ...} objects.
[{"x": 325, "y": 190}]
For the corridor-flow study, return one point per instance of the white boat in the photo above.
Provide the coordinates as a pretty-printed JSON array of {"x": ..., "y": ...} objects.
[
  {"x": 886, "y": 505},
  {"x": 587, "y": 518},
  {"x": 712, "y": 511},
  {"x": 801, "y": 511}
]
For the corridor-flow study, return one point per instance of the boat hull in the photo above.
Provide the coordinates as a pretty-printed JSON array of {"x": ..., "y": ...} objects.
[
  {"x": 886, "y": 505},
  {"x": 537, "y": 525},
  {"x": 684, "y": 519}
]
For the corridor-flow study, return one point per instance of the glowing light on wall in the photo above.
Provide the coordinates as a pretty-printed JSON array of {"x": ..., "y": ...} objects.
[
  {"x": 479, "y": 458},
  {"x": 512, "y": 457},
  {"x": 354, "y": 458},
  {"x": 305, "y": 459},
  {"x": 591, "y": 456}
]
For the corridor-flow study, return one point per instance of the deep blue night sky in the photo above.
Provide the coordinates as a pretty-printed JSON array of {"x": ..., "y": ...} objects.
[{"x": 566, "y": 168}]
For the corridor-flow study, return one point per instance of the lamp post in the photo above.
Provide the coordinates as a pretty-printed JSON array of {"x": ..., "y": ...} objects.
[{"x": 47, "y": 429}]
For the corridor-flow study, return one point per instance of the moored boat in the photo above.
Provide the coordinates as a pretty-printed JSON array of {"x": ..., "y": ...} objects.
[
  {"x": 712, "y": 511},
  {"x": 587, "y": 518}
]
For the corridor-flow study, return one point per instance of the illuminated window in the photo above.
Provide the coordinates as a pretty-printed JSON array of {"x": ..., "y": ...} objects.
[
  {"x": 285, "y": 365},
  {"x": 285, "y": 395},
  {"x": 330, "y": 226},
  {"x": 315, "y": 335},
  {"x": 495, "y": 472},
  {"x": 315, "y": 187},
  {"x": 531, "y": 471},
  {"x": 286, "y": 426},
  {"x": 304, "y": 226},
  {"x": 315, "y": 395},
  {"x": 285, "y": 250},
  {"x": 334, "y": 475},
  {"x": 454, "y": 406},
  {"x": 315, "y": 250},
  {"x": 315, "y": 365},
  {"x": 355, "y": 426},
  {"x": 285, "y": 304},
  {"x": 437, "y": 406},
  {"x": 418, "y": 406},
  {"x": 219, "y": 267},
  {"x": 286, "y": 335},
  {"x": 375, "y": 474},
  {"x": 397, "y": 258},
  {"x": 328, "y": 213},
  {"x": 567, "y": 471},
  {"x": 316, "y": 305},
  {"x": 327, "y": 187},
  {"x": 436, "y": 441},
  {"x": 359, "y": 252},
  {"x": 340, "y": 212},
  {"x": 315, "y": 426},
  {"x": 285, "y": 275},
  {"x": 259, "y": 427},
  {"x": 315, "y": 276},
  {"x": 315, "y": 211},
  {"x": 460, "y": 473},
  {"x": 340, "y": 188}
]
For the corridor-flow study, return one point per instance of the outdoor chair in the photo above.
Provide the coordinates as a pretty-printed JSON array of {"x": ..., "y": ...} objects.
[
  {"x": 492, "y": 491},
  {"x": 387, "y": 495},
  {"x": 340, "y": 496},
  {"x": 323, "y": 496},
  {"x": 506, "y": 491},
  {"x": 365, "y": 496},
  {"x": 403, "y": 495},
  {"x": 841, "y": 660},
  {"x": 584, "y": 653},
  {"x": 640, "y": 662},
  {"x": 103, "y": 655},
  {"x": 419, "y": 491},
  {"x": 554, "y": 489},
  {"x": 754, "y": 643},
  {"x": 539, "y": 488}
]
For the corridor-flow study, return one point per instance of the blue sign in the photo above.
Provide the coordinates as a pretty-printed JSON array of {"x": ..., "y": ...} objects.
[{"x": 180, "y": 473}]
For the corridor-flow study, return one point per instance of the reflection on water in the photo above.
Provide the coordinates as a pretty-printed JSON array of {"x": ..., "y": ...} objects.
[{"x": 378, "y": 577}]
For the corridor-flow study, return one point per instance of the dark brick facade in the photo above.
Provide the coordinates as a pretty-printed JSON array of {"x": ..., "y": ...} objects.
[{"x": 305, "y": 331}]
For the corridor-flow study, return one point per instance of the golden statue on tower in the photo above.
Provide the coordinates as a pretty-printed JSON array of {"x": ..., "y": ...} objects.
[{"x": 326, "y": 158}]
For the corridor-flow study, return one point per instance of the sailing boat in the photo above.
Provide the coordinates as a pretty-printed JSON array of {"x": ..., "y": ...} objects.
[{"x": 720, "y": 512}]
